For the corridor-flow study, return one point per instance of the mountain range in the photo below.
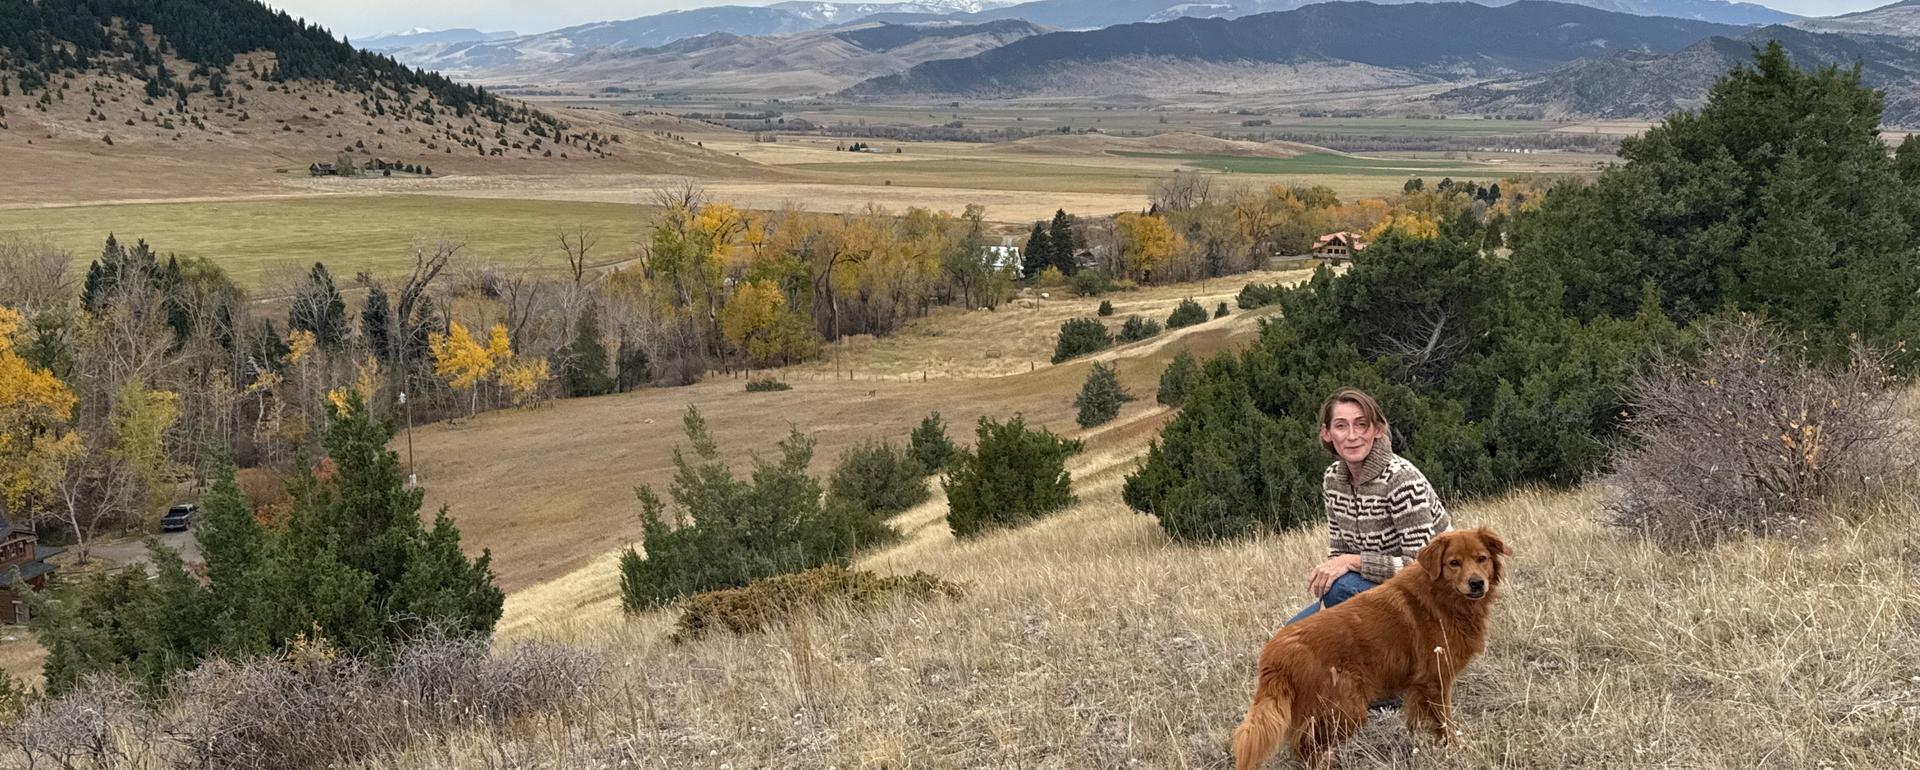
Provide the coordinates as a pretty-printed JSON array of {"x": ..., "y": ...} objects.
[
  {"x": 1902, "y": 19},
  {"x": 414, "y": 38},
  {"x": 819, "y": 61},
  {"x": 1443, "y": 41},
  {"x": 1645, "y": 85},
  {"x": 479, "y": 54}
]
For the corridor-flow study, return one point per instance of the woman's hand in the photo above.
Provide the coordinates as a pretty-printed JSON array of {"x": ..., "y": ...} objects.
[{"x": 1321, "y": 578}]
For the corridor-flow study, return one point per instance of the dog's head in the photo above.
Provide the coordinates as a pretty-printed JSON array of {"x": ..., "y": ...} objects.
[{"x": 1468, "y": 560}]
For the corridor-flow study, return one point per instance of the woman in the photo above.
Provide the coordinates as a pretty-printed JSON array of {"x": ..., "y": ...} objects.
[{"x": 1380, "y": 509}]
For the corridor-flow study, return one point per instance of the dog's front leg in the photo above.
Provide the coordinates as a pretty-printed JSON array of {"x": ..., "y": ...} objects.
[{"x": 1429, "y": 711}]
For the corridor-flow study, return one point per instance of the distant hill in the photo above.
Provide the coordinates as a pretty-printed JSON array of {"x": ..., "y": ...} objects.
[
  {"x": 803, "y": 62},
  {"x": 1899, "y": 19},
  {"x": 1449, "y": 41},
  {"x": 662, "y": 29},
  {"x": 228, "y": 89},
  {"x": 414, "y": 38},
  {"x": 1640, "y": 85},
  {"x": 1094, "y": 14}
]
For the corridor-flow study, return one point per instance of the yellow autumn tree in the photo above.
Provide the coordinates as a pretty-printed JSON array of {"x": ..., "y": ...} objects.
[
  {"x": 462, "y": 362},
  {"x": 366, "y": 382},
  {"x": 1406, "y": 223},
  {"x": 756, "y": 322},
  {"x": 1146, "y": 242},
  {"x": 140, "y": 419},
  {"x": 524, "y": 379},
  {"x": 33, "y": 405}
]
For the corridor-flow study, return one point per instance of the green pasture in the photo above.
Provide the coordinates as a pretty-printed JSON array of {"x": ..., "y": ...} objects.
[{"x": 257, "y": 240}]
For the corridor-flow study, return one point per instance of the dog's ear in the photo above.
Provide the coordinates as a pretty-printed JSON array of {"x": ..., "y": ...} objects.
[
  {"x": 1498, "y": 548},
  {"x": 1433, "y": 557},
  {"x": 1493, "y": 542}
]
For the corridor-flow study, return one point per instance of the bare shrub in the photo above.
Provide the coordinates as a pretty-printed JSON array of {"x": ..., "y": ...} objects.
[
  {"x": 86, "y": 727},
  {"x": 266, "y": 712},
  {"x": 317, "y": 708},
  {"x": 1749, "y": 439},
  {"x": 34, "y": 274},
  {"x": 758, "y": 604},
  {"x": 453, "y": 681}
]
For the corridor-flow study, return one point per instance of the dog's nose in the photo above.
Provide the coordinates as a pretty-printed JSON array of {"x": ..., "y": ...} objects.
[{"x": 1476, "y": 585}]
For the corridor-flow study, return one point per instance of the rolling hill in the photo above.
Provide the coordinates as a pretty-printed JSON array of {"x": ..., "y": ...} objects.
[
  {"x": 1899, "y": 19},
  {"x": 1646, "y": 86},
  {"x": 179, "y": 97},
  {"x": 423, "y": 37},
  {"x": 662, "y": 29},
  {"x": 1445, "y": 41},
  {"x": 811, "y": 62}
]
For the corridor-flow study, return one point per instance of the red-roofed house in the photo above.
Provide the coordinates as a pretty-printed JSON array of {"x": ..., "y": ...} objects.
[
  {"x": 1338, "y": 247},
  {"x": 21, "y": 558}
]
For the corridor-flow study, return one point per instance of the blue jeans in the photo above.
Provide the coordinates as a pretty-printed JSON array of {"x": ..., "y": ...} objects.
[{"x": 1343, "y": 588}]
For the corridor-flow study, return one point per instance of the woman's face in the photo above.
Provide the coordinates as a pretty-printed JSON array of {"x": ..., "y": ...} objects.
[{"x": 1350, "y": 432}]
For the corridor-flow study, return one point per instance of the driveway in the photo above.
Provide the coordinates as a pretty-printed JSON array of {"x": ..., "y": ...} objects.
[{"x": 132, "y": 550}]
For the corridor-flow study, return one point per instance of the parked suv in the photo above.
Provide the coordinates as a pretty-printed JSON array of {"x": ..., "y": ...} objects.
[{"x": 178, "y": 518}]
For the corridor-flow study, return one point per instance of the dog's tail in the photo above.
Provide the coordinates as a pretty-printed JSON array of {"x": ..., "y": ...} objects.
[{"x": 1266, "y": 725}]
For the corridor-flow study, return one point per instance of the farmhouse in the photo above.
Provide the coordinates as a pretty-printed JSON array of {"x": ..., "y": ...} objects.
[
  {"x": 324, "y": 168},
  {"x": 1338, "y": 247},
  {"x": 22, "y": 558}
]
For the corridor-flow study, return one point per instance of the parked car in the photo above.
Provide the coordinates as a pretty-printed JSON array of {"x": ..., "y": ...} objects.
[{"x": 178, "y": 519}]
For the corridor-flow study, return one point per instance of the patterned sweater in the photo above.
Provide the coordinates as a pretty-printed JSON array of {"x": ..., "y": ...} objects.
[{"x": 1386, "y": 514}]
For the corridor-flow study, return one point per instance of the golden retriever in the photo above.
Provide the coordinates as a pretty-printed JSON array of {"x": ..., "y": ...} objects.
[{"x": 1408, "y": 636}]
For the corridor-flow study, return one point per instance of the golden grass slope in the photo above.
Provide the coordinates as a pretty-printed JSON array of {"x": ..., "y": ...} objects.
[
  {"x": 550, "y": 491},
  {"x": 1090, "y": 641},
  {"x": 102, "y": 140}
]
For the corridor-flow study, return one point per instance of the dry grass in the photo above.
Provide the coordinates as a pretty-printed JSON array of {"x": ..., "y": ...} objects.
[
  {"x": 1090, "y": 641},
  {"x": 1019, "y": 336},
  {"x": 550, "y": 491}
]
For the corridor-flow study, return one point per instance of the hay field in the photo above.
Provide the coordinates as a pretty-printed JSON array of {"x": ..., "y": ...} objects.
[{"x": 256, "y": 240}]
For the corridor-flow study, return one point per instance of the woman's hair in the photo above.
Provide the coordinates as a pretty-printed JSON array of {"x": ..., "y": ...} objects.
[{"x": 1369, "y": 409}]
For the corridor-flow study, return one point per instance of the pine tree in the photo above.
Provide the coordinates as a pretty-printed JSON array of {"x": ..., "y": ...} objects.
[
  {"x": 1060, "y": 240},
  {"x": 930, "y": 445},
  {"x": 634, "y": 368},
  {"x": 582, "y": 364},
  {"x": 1173, "y": 381},
  {"x": 1013, "y": 475},
  {"x": 318, "y": 309},
  {"x": 354, "y": 565},
  {"x": 368, "y": 521},
  {"x": 1039, "y": 253},
  {"x": 1100, "y": 396},
  {"x": 376, "y": 324}
]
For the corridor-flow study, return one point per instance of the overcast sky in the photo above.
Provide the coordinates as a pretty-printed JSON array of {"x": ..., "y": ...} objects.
[{"x": 364, "y": 18}]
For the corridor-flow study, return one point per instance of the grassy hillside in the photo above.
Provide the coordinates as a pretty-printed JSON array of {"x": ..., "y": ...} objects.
[
  {"x": 144, "y": 100},
  {"x": 1090, "y": 641},
  {"x": 562, "y": 498}
]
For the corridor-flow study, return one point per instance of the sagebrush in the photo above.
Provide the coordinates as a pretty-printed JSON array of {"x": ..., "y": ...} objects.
[
  {"x": 776, "y": 599},
  {"x": 1747, "y": 437}
]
